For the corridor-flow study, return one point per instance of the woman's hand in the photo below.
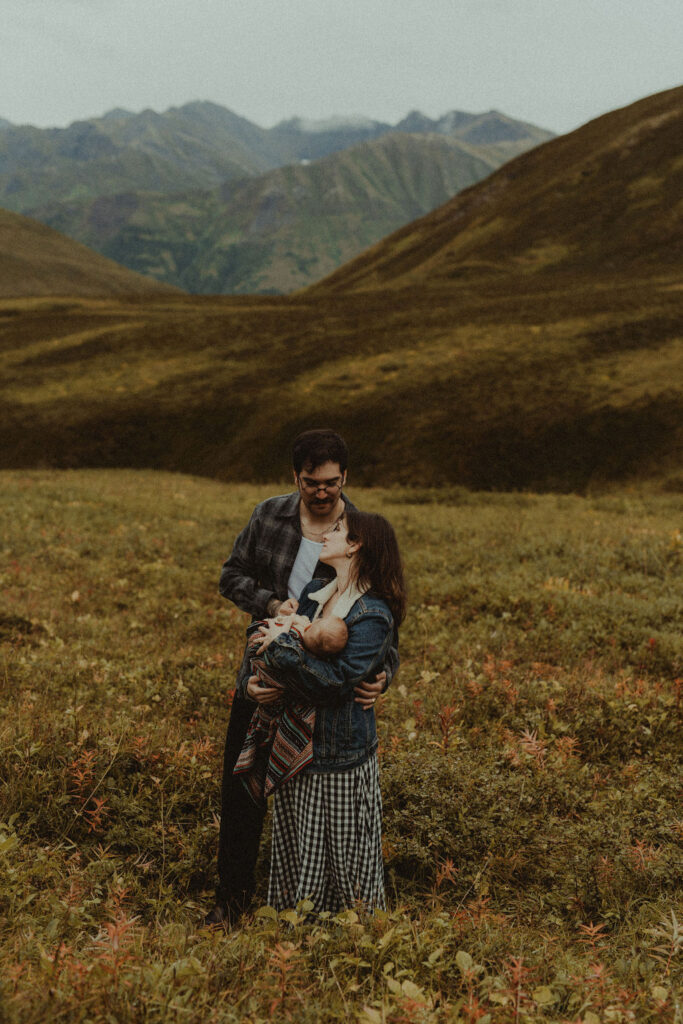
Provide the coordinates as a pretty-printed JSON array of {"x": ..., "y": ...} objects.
[{"x": 262, "y": 694}]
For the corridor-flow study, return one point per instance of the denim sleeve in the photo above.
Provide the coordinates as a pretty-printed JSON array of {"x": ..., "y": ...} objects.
[
  {"x": 332, "y": 681},
  {"x": 239, "y": 580}
]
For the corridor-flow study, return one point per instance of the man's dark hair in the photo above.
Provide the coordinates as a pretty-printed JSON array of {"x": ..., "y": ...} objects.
[{"x": 314, "y": 447}]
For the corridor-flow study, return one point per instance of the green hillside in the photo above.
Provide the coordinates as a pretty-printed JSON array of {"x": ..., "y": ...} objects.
[
  {"x": 282, "y": 230},
  {"x": 606, "y": 198}
]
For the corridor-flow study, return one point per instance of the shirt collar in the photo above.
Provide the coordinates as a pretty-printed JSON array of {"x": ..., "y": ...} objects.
[{"x": 346, "y": 601}]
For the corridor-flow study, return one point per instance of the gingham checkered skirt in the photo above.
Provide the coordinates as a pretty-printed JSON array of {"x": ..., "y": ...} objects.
[{"x": 327, "y": 841}]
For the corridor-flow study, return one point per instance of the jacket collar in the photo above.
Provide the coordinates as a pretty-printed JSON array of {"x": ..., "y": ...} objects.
[{"x": 346, "y": 601}]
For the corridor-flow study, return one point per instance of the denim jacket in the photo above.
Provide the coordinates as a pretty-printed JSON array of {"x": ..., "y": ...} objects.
[{"x": 345, "y": 734}]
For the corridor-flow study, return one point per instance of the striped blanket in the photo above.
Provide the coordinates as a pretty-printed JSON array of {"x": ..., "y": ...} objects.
[{"x": 279, "y": 741}]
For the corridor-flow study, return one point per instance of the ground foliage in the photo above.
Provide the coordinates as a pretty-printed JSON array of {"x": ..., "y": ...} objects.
[{"x": 530, "y": 758}]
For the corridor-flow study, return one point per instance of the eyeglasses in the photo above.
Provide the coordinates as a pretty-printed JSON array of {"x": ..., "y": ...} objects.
[{"x": 313, "y": 486}]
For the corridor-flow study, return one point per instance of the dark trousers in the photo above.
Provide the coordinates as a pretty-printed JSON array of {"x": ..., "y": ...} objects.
[{"x": 241, "y": 819}]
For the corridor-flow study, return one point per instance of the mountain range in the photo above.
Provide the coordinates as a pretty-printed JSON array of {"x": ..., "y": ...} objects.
[
  {"x": 202, "y": 145},
  {"x": 528, "y": 334},
  {"x": 205, "y": 200},
  {"x": 279, "y": 231}
]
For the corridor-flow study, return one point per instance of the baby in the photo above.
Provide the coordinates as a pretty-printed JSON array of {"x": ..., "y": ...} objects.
[
  {"x": 279, "y": 740},
  {"x": 322, "y": 637}
]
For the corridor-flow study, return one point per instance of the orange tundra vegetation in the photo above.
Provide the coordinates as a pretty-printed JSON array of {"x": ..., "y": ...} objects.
[{"x": 530, "y": 764}]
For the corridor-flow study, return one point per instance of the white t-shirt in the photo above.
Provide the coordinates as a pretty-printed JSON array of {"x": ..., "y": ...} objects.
[{"x": 304, "y": 567}]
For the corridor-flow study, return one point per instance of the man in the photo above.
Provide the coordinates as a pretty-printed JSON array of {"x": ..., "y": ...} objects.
[{"x": 273, "y": 558}]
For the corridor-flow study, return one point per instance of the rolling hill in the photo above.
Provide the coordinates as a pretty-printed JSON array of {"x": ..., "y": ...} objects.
[
  {"x": 454, "y": 352},
  {"x": 604, "y": 199},
  {"x": 36, "y": 261}
]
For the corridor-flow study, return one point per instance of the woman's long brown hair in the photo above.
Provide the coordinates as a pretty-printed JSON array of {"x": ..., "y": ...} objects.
[{"x": 378, "y": 559}]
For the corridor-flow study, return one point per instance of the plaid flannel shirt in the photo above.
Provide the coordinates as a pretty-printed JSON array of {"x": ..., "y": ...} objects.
[{"x": 260, "y": 564}]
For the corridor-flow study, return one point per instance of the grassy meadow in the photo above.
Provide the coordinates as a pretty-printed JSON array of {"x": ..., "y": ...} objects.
[{"x": 530, "y": 758}]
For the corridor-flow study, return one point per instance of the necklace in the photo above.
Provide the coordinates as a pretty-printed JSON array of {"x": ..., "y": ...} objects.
[{"x": 316, "y": 531}]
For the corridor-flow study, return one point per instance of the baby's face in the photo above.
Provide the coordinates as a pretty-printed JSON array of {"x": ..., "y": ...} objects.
[{"x": 312, "y": 630}]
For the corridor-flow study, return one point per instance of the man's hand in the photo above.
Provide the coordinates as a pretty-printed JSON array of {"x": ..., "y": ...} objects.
[
  {"x": 262, "y": 694},
  {"x": 367, "y": 693},
  {"x": 276, "y": 607}
]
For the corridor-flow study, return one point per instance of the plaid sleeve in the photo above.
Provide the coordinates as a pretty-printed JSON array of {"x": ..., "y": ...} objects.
[{"x": 239, "y": 580}]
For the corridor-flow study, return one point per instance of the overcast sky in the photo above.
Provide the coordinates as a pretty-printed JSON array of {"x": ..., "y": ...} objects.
[{"x": 557, "y": 63}]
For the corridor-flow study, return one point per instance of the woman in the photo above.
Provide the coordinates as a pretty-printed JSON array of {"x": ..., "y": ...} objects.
[{"x": 327, "y": 819}]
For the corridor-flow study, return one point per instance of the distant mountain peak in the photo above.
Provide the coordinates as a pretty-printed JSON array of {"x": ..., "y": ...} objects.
[
  {"x": 205, "y": 110},
  {"x": 489, "y": 127},
  {"x": 455, "y": 119},
  {"x": 416, "y": 121},
  {"x": 117, "y": 114}
]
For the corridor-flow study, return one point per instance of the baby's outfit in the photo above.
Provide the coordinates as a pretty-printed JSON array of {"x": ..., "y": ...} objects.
[{"x": 279, "y": 740}]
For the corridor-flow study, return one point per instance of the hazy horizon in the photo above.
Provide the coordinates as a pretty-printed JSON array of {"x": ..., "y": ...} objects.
[
  {"x": 342, "y": 116},
  {"x": 554, "y": 64}
]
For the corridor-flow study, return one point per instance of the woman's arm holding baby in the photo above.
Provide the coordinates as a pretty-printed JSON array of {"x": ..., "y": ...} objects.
[{"x": 329, "y": 681}]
